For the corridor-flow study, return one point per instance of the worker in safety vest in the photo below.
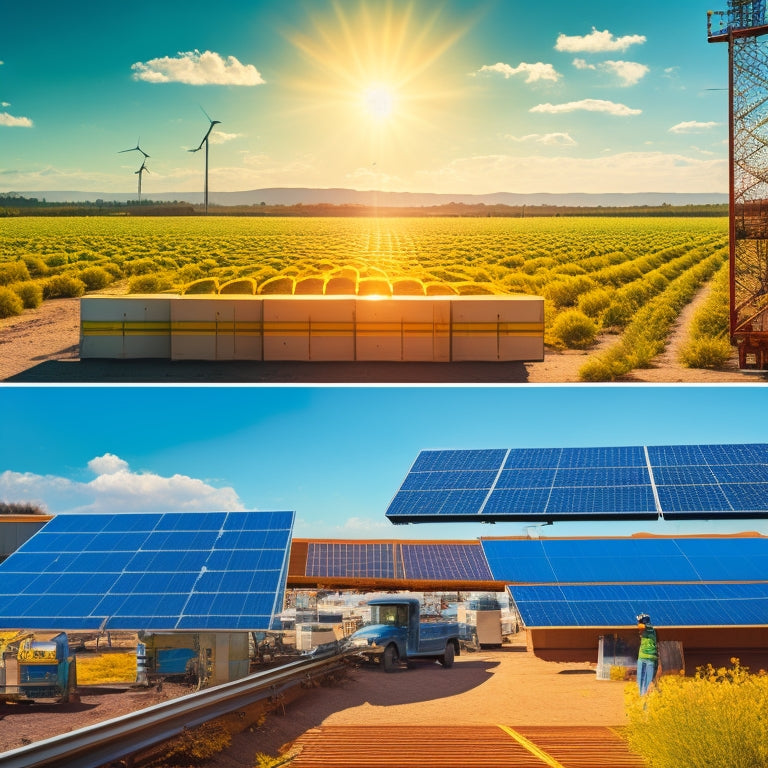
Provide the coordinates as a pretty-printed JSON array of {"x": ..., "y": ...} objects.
[{"x": 648, "y": 655}]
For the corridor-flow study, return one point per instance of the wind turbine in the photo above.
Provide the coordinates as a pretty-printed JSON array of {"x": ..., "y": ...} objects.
[
  {"x": 140, "y": 172},
  {"x": 205, "y": 141},
  {"x": 137, "y": 148},
  {"x": 143, "y": 168}
]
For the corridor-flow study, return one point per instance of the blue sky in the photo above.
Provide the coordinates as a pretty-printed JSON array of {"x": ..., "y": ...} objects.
[
  {"x": 452, "y": 96},
  {"x": 335, "y": 455}
]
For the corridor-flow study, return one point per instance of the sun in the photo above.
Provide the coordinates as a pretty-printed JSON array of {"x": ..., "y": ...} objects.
[{"x": 378, "y": 102}]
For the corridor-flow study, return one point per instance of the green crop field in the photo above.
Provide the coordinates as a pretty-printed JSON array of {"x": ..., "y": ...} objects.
[{"x": 596, "y": 274}]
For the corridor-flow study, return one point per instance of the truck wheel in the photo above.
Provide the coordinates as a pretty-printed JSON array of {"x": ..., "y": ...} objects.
[
  {"x": 447, "y": 658},
  {"x": 391, "y": 658}
]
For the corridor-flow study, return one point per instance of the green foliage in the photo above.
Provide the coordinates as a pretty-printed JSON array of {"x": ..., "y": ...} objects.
[
  {"x": 30, "y": 293},
  {"x": 36, "y": 266},
  {"x": 708, "y": 345},
  {"x": 645, "y": 336},
  {"x": 594, "y": 302},
  {"x": 574, "y": 329},
  {"x": 63, "y": 287},
  {"x": 148, "y": 284},
  {"x": 95, "y": 278},
  {"x": 13, "y": 272},
  {"x": 705, "y": 352},
  {"x": 206, "y": 285},
  {"x": 713, "y": 720},
  {"x": 10, "y": 303},
  {"x": 566, "y": 292},
  {"x": 57, "y": 260}
]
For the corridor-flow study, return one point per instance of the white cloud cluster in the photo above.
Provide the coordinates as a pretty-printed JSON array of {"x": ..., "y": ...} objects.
[
  {"x": 587, "y": 105},
  {"x": 16, "y": 122},
  {"x": 548, "y": 139},
  {"x": 693, "y": 126},
  {"x": 195, "y": 68},
  {"x": 596, "y": 42},
  {"x": 629, "y": 72},
  {"x": 116, "y": 489},
  {"x": 533, "y": 72}
]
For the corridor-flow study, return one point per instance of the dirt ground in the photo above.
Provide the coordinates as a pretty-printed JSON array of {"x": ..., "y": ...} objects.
[
  {"x": 507, "y": 686},
  {"x": 42, "y": 346}
]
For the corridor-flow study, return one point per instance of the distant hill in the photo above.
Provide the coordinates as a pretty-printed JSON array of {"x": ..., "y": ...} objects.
[{"x": 339, "y": 196}]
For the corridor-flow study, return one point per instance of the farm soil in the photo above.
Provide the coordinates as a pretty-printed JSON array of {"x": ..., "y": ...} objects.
[
  {"x": 508, "y": 686},
  {"x": 41, "y": 346}
]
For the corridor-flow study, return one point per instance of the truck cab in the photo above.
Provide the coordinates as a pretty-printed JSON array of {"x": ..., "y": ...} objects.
[{"x": 396, "y": 634}]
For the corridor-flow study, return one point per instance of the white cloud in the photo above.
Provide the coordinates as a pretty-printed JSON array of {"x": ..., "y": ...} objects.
[
  {"x": 221, "y": 137},
  {"x": 629, "y": 72},
  {"x": 10, "y": 120},
  {"x": 107, "y": 464},
  {"x": 533, "y": 72},
  {"x": 583, "y": 64},
  {"x": 596, "y": 42},
  {"x": 587, "y": 105},
  {"x": 550, "y": 139},
  {"x": 115, "y": 489},
  {"x": 693, "y": 126},
  {"x": 195, "y": 68}
]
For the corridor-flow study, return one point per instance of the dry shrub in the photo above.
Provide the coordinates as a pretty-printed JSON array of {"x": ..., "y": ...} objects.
[
  {"x": 277, "y": 285},
  {"x": 63, "y": 287},
  {"x": 30, "y": 293},
  {"x": 204, "y": 286},
  {"x": 195, "y": 746},
  {"x": 95, "y": 278},
  {"x": 243, "y": 286},
  {"x": 13, "y": 272},
  {"x": 705, "y": 352},
  {"x": 10, "y": 303},
  {"x": 715, "y": 719},
  {"x": 574, "y": 329},
  {"x": 148, "y": 284}
]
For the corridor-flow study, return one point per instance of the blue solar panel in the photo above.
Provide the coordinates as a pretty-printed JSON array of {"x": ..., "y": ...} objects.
[
  {"x": 448, "y": 562},
  {"x": 679, "y": 605},
  {"x": 628, "y": 560},
  {"x": 549, "y": 484},
  {"x": 209, "y": 570},
  {"x": 350, "y": 560}
]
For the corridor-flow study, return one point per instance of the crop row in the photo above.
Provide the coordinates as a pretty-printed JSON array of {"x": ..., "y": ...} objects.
[{"x": 596, "y": 273}]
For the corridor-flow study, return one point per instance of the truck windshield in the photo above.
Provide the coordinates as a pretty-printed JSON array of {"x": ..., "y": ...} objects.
[{"x": 396, "y": 615}]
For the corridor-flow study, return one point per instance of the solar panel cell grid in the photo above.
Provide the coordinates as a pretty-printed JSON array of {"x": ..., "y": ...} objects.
[{"x": 95, "y": 570}]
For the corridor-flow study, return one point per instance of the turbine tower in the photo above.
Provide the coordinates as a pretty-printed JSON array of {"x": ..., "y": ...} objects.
[
  {"x": 744, "y": 27},
  {"x": 205, "y": 141},
  {"x": 142, "y": 170}
]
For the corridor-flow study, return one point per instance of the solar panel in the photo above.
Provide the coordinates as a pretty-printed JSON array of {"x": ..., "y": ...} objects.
[
  {"x": 448, "y": 562},
  {"x": 154, "y": 571},
  {"x": 350, "y": 560},
  {"x": 550, "y": 484},
  {"x": 673, "y": 605},
  {"x": 573, "y": 561}
]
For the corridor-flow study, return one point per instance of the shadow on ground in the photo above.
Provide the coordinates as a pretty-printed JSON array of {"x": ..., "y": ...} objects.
[{"x": 286, "y": 372}]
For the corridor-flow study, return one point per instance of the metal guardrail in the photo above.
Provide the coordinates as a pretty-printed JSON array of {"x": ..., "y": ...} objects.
[{"x": 101, "y": 743}]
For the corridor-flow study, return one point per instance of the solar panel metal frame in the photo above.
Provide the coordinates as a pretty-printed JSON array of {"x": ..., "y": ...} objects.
[
  {"x": 579, "y": 484},
  {"x": 153, "y": 571}
]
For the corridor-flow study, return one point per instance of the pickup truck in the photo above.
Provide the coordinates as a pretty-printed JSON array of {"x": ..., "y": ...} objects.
[{"x": 396, "y": 634}]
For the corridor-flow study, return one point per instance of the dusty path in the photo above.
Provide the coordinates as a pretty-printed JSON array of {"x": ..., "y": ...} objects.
[
  {"x": 491, "y": 687},
  {"x": 41, "y": 346}
]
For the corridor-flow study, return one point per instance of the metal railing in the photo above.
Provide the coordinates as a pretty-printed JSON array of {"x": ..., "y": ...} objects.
[{"x": 115, "y": 739}]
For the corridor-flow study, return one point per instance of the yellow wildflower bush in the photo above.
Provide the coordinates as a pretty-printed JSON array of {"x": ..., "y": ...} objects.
[{"x": 716, "y": 719}]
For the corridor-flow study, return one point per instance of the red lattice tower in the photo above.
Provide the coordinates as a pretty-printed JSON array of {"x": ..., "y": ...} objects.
[{"x": 743, "y": 26}]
